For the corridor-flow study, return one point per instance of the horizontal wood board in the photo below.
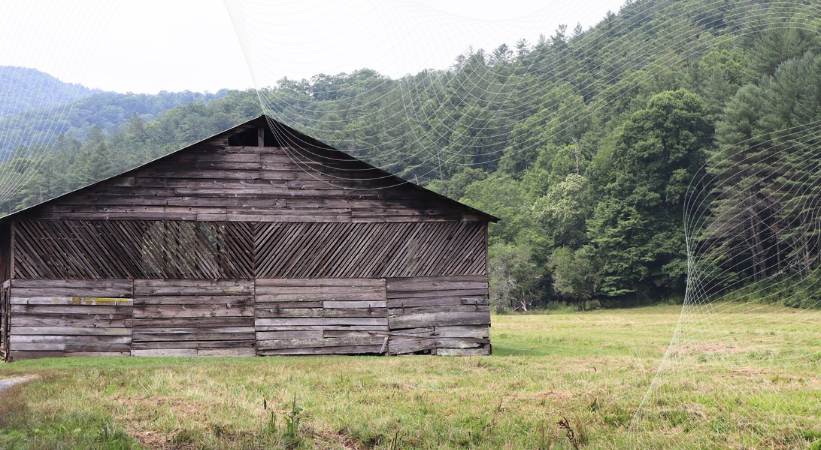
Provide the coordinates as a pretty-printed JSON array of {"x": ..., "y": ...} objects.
[
  {"x": 439, "y": 315},
  {"x": 321, "y": 316},
  {"x": 217, "y": 181},
  {"x": 65, "y": 318},
  {"x": 436, "y": 315},
  {"x": 193, "y": 317}
]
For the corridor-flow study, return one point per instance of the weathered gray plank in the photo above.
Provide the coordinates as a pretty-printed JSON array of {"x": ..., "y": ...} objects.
[
  {"x": 383, "y": 321},
  {"x": 333, "y": 304},
  {"x": 346, "y": 350},
  {"x": 351, "y": 283},
  {"x": 191, "y": 311},
  {"x": 439, "y": 293},
  {"x": 72, "y": 331},
  {"x": 321, "y": 342},
  {"x": 88, "y": 301},
  {"x": 72, "y": 309},
  {"x": 481, "y": 351},
  {"x": 290, "y": 334},
  {"x": 164, "y": 352},
  {"x": 140, "y": 336},
  {"x": 100, "y": 339},
  {"x": 439, "y": 319},
  {"x": 435, "y": 301},
  {"x": 463, "y": 331},
  {"x": 70, "y": 292}
]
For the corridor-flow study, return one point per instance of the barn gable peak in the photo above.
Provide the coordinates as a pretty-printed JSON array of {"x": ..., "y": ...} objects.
[{"x": 321, "y": 167}]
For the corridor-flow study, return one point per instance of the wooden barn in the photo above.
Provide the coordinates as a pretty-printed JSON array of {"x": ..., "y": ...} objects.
[{"x": 256, "y": 241}]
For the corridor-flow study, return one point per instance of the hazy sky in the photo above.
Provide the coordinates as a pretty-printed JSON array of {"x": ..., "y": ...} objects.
[{"x": 204, "y": 45}]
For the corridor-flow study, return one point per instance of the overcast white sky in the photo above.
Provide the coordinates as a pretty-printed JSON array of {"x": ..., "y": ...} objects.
[{"x": 205, "y": 45}]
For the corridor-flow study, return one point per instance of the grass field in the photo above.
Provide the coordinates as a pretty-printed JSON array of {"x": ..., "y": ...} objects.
[{"x": 735, "y": 379}]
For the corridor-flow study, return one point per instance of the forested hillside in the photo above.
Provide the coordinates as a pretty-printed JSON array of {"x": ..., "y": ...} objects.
[{"x": 585, "y": 143}]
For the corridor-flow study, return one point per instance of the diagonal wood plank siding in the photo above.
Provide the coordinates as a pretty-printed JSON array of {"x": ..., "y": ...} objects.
[
  {"x": 73, "y": 249},
  {"x": 373, "y": 250}
]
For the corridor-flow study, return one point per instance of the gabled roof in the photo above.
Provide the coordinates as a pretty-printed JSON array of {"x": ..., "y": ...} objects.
[{"x": 293, "y": 135}]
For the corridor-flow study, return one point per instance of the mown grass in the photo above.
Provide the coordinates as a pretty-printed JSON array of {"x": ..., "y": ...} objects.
[{"x": 562, "y": 381}]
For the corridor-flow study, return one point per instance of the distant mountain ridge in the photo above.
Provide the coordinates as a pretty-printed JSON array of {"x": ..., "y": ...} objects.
[
  {"x": 35, "y": 107},
  {"x": 23, "y": 89}
]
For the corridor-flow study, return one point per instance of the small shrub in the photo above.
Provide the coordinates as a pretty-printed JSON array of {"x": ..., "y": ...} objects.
[
  {"x": 576, "y": 432},
  {"x": 112, "y": 436},
  {"x": 548, "y": 438},
  {"x": 291, "y": 435},
  {"x": 271, "y": 419},
  {"x": 590, "y": 305},
  {"x": 185, "y": 437}
]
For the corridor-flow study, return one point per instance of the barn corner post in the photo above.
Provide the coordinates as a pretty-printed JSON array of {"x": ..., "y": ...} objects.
[
  {"x": 6, "y": 271},
  {"x": 489, "y": 292},
  {"x": 244, "y": 245}
]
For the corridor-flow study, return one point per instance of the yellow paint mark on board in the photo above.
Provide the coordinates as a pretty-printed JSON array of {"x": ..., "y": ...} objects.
[{"x": 99, "y": 301}]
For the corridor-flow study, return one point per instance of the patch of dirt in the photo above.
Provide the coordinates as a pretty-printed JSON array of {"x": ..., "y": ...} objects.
[
  {"x": 177, "y": 405},
  {"x": 554, "y": 395},
  {"x": 9, "y": 382},
  {"x": 748, "y": 371},
  {"x": 706, "y": 347},
  {"x": 139, "y": 407},
  {"x": 148, "y": 439},
  {"x": 333, "y": 439}
]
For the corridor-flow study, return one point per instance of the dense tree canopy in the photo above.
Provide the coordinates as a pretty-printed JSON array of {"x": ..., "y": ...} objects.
[{"x": 584, "y": 143}]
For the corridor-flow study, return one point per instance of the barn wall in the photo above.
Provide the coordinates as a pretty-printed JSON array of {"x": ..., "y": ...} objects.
[
  {"x": 226, "y": 248},
  {"x": 141, "y": 249},
  {"x": 219, "y": 183},
  {"x": 193, "y": 318},
  {"x": 439, "y": 315},
  {"x": 5, "y": 252},
  {"x": 5, "y": 284},
  {"x": 321, "y": 316},
  {"x": 370, "y": 250},
  {"x": 64, "y": 318}
]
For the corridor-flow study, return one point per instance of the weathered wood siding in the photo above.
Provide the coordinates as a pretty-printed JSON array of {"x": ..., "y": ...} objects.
[
  {"x": 141, "y": 249},
  {"x": 321, "y": 316},
  {"x": 219, "y": 183},
  {"x": 138, "y": 249},
  {"x": 193, "y": 317},
  {"x": 370, "y": 250},
  {"x": 60, "y": 317},
  {"x": 227, "y": 248},
  {"x": 441, "y": 315},
  {"x": 5, "y": 318}
]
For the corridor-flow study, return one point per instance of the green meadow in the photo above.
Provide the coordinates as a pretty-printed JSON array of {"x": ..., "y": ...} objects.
[{"x": 561, "y": 380}]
